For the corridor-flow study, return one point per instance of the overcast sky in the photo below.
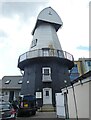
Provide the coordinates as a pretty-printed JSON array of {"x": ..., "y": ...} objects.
[{"x": 18, "y": 18}]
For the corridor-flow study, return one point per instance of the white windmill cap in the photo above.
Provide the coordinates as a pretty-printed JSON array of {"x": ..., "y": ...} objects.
[{"x": 50, "y": 16}]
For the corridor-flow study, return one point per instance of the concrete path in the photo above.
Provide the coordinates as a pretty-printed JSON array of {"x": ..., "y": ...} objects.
[
  {"x": 41, "y": 116},
  {"x": 45, "y": 115}
]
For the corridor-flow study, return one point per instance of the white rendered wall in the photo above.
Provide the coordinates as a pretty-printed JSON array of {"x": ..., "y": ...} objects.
[
  {"x": 71, "y": 106},
  {"x": 82, "y": 99}
]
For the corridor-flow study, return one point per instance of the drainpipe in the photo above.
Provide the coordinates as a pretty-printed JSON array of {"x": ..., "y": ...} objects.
[
  {"x": 66, "y": 107},
  {"x": 75, "y": 101},
  {"x": 66, "y": 102}
]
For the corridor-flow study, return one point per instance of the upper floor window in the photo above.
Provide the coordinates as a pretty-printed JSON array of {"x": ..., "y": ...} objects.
[
  {"x": 46, "y": 71},
  {"x": 89, "y": 63},
  {"x": 34, "y": 43},
  {"x": 74, "y": 73},
  {"x": 46, "y": 74},
  {"x": 74, "y": 69}
]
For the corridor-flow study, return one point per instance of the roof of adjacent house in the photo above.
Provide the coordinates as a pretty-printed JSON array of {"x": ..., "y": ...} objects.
[{"x": 11, "y": 82}]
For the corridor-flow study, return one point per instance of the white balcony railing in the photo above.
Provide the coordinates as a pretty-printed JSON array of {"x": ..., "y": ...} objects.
[{"x": 45, "y": 52}]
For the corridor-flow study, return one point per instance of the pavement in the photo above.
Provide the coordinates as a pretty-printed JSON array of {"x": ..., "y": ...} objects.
[
  {"x": 41, "y": 116},
  {"x": 45, "y": 115}
]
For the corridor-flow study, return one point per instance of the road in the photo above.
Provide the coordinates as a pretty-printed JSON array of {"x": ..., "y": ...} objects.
[{"x": 41, "y": 115}]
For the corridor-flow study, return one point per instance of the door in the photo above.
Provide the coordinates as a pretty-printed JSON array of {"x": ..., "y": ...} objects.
[
  {"x": 47, "y": 96},
  {"x": 11, "y": 96},
  {"x": 60, "y": 108}
]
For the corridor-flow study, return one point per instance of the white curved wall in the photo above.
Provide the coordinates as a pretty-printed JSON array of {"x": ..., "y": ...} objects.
[
  {"x": 46, "y": 37},
  {"x": 82, "y": 99}
]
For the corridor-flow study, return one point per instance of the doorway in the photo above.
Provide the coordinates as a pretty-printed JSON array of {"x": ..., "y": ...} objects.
[
  {"x": 11, "y": 96},
  {"x": 47, "y": 95}
]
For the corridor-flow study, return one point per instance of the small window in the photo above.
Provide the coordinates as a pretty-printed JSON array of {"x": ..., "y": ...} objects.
[
  {"x": 38, "y": 95},
  {"x": 47, "y": 93},
  {"x": 89, "y": 63},
  {"x": 75, "y": 65},
  {"x": 7, "y": 82},
  {"x": 20, "y": 82},
  {"x": 34, "y": 43},
  {"x": 2, "y": 93},
  {"x": 46, "y": 71}
]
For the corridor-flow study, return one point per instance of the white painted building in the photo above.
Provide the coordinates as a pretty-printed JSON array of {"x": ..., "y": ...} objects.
[{"x": 82, "y": 91}]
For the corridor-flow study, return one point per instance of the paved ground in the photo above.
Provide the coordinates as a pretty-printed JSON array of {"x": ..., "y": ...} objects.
[
  {"x": 41, "y": 115},
  {"x": 45, "y": 115}
]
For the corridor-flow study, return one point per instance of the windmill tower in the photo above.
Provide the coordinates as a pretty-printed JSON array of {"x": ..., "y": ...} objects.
[{"x": 46, "y": 66}]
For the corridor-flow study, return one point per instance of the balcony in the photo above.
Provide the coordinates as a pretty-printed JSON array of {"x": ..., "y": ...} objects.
[{"x": 45, "y": 53}]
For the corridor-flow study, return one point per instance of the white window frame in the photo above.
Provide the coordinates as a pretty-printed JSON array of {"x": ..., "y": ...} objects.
[
  {"x": 38, "y": 94},
  {"x": 46, "y": 78},
  {"x": 34, "y": 43},
  {"x": 46, "y": 68}
]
